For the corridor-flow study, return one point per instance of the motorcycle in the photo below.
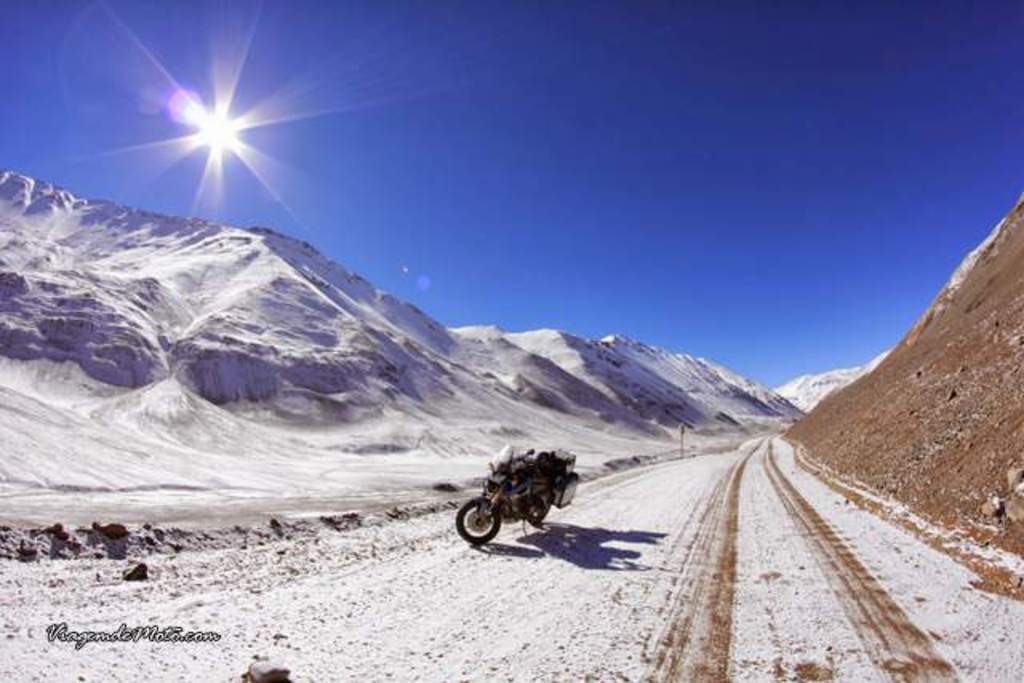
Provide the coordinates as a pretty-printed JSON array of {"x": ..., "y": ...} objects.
[{"x": 518, "y": 488}]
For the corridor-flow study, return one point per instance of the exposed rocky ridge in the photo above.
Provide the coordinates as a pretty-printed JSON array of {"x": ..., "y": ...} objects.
[{"x": 941, "y": 420}]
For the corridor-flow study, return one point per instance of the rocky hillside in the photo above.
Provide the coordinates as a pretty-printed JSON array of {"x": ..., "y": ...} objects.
[{"x": 941, "y": 420}]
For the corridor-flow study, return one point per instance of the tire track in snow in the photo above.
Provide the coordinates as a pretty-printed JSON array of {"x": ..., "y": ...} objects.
[
  {"x": 897, "y": 647},
  {"x": 698, "y": 639},
  {"x": 679, "y": 553}
]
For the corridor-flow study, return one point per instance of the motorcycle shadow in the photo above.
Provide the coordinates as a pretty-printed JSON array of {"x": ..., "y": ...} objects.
[
  {"x": 584, "y": 547},
  {"x": 505, "y": 550}
]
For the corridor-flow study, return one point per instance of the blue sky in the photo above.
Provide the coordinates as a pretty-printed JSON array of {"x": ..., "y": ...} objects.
[{"x": 782, "y": 189}]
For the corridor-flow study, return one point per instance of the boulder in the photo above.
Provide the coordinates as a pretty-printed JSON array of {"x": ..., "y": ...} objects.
[
  {"x": 268, "y": 672},
  {"x": 139, "y": 572},
  {"x": 1014, "y": 478},
  {"x": 112, "y": 531},
  {"x": 1015, "y": 508}
]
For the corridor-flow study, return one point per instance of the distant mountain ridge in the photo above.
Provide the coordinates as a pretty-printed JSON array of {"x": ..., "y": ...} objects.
[
  {"x": 170, "y": 318},
  {"x": 807, "y": 391}
]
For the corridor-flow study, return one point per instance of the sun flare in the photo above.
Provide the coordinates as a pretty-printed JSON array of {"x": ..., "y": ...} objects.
[
  {"x": 214, "y": 129},
  {"x": 210, "y": 127}
]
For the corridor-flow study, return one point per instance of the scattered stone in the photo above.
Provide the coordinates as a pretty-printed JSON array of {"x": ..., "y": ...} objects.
[
  {"x": 58, "y": 531},
  {"x": 812, "y": 671},
  {"x": 274, "y": 524},
  {"x": 1014, "y": 478},
  {"x": 952, "y": 395},
  {"x": 139, "y": 572},
  {"x": 112, "y": 531},
  {"x": 445, "y": 487},
  {"x": 993, "y": 507},
  {"x": 268, "y": 672},
  {"x": 27, "y": 553}
]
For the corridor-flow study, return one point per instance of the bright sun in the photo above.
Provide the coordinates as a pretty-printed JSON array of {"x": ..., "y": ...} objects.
[
  {"x": 214, "y": 129},
  {"x": 219, "y": 132}
]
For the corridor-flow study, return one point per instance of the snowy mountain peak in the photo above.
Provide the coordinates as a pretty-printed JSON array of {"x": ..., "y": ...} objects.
[
  {"x": 33, "y": 197},
  {"x": 807, "y": 391},
  {"x": 618, "y": 340}
]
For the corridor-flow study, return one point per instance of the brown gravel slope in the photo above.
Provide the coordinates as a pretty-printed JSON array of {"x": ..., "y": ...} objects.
[{"x": 939, "y": 422}]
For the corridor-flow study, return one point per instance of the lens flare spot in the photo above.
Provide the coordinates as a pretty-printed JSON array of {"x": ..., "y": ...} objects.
[{"x": 183, "y": 107}]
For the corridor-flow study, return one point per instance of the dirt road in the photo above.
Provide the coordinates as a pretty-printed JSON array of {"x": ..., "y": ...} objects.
[{"x": 730, "y": 566}]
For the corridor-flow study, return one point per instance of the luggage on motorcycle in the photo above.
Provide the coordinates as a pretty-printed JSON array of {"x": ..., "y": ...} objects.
[
  {"x": 568, "y": 460},
  {"x": 556, "y": 462},
  {"x": 565, "y": 489}
]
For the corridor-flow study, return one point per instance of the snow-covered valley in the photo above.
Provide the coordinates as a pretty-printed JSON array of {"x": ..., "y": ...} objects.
[
  {"x": 283, "y": 446},
  {"x": 149, "y": 361}
]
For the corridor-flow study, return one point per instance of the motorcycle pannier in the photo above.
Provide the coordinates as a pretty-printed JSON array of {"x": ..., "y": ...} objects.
[{"x": 566, "y": 489}]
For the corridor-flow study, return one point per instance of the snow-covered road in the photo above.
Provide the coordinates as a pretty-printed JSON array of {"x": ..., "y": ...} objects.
[{"x": 737, "y": 565}]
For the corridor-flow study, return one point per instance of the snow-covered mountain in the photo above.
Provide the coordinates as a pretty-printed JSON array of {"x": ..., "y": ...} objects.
[
  {"x": 669, "y": 388},
  {"x": 194, "y": 341},
  {"x": 807, "y": 391}
]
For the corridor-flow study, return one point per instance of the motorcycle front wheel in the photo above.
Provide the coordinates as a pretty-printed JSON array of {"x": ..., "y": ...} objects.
[{"x": 475, "y": 525}]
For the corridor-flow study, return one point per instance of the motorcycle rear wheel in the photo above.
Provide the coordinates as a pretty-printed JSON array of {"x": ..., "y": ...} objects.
[
  {"x": 475, "y": 526},
  {"x": 536, "y": 511}
]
